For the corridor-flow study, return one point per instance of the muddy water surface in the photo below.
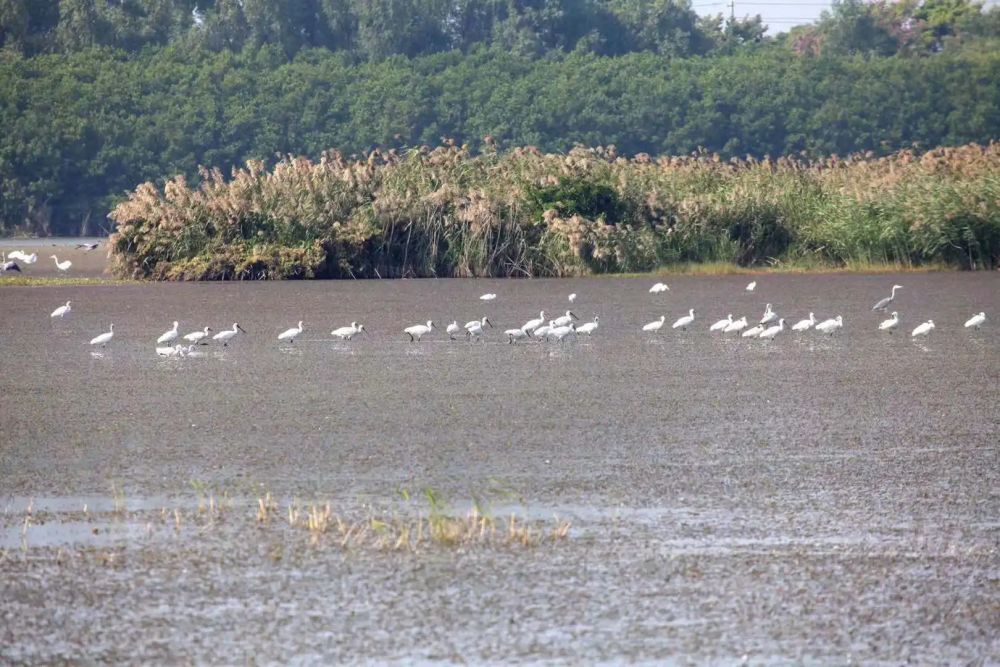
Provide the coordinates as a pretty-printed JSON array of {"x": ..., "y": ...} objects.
[{"x": 819, "y": 499}]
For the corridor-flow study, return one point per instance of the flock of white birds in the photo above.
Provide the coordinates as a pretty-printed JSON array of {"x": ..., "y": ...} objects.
[{"x": 769, "y": 326}]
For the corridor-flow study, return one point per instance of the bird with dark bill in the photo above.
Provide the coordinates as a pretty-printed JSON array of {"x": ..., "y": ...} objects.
[{"x": 884, "y": 303}]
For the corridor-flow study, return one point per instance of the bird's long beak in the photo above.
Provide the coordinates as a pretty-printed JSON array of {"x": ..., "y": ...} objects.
[
  {"x": 241, "y": 328},
  {"x": 489, "y": 323},
  {"x": 573, "y": 315}
]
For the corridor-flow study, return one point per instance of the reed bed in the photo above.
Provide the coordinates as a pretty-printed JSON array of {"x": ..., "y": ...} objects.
[{"x": 448, "y": 212}]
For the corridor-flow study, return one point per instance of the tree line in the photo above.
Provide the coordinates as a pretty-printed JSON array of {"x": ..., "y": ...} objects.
[{"x": 99, "y": 95}]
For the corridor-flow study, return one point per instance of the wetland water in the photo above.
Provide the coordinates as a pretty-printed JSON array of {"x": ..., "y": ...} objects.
[{"x": 809, "y": 499}]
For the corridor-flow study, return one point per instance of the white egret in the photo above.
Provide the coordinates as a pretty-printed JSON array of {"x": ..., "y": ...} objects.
[
  {"x": 417, "y": 331},
  {"x": 560, "y": 333},
  {"x": 565, "y": 319},
  {"x": 104, "y": 338},
  {"x": 588, "y": 328},
  {"x": 736, "y": 326},
  {"x": 683, "y": 322},
  {"x": 769, "y": 315},
  {"x": 722, "y": 324},
  {"x": 61, "y": 311},
  {"x": 168, "y": 336},
  {"x": 476, "y": 328},
  {"x": 226, "y": 335},
  {"x": 752, "y": 286},
  {"x": 806, "y": 324},
  {"x": 488, "y": 297},
  {"x": 831, "y": 325},
  {"x": 890, "y": 324},
  {"x": 515, "y": 334},
  {"x": 975, "y": 321},
  {"x": 291, "y": 334},
  {"x": 572, "y": 297},
  {"x": 771, "y": 332},
  {"x": 753, "y": 332},
  {"x": 923, "y": 329},
  {"x": 659, "y": 287},
  {"x": 346, "y": 333},
  {"x": 656, "y": 325},
  {"x": 530, "y": 326},
  {"x": 62, "y": 266},
  {"x": 198, "y": 336},
  {"x": 884, "y": 303}
]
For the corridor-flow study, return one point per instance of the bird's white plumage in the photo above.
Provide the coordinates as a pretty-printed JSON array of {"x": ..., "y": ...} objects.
[
  {"x": 104, "y": 338},
  {"x": 566, "y": 319},
  {"x": 771, "y": 332},
  {"x": 64, "y": 265},
  {"x": 588, "y": 327},
  {"x": 488, "y": 297},
  {"x": 225, "y": 336},
  {"x": 655, "y": 325},
  {"x": 975, "y": 321},
  {"x": 475, "y": 329},
  {"x": 806, "y": 324},
  {"x": 560, "y": 333},
  {"x": 417, "y": 331},
  {"x": 659, "y": 287},
  {"x": 752, "y": 286},
  {"x": 515, "y": 334},
  {"x": 753, "y": 332},
  {"x": 61, "y": 311},
  {"x": 736, "y": 326},
  {"x": 530, "y": 326},
  {"x": 543, "y": 331},
  {"x": 197, "y": 336},
  {"x": 291, "y": 334},
  {"x": 890, "y": 324},
  {"x": 722, "y": 324},
  {"x": 769, "y": 315},
  {"x": 923, "y": 329},
  {"x": 168, "y": 336},
  {"x": 684, "y": 322},
  {"x": 572, "y": 297},
  {"x": 347, "y": 333}
]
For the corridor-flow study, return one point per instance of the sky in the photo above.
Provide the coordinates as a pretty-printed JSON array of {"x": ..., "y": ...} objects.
[{"x": 778, "y": 16}]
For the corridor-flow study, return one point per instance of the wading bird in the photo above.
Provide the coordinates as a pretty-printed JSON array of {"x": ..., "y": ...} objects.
[
  {"x": 722, "y": 324},
  {"x": 291, "y": 334},
  {"x": 736, "y": 326},
  {"x": 417, "y": 331},
  {"x": 560, "y": 333},
  {"x": 175, "y": 351},
  {"x": 452, "y": 329},
  {"x": 488, "y": 297},
  {"x": 771, "y": 332},
  {"x": 769, "y": 315},
  {"x": 30, "y": 259},
  {"x": 515, "y": 334},
  {"x": 62, "y": 266},
  {"x": 683, "y": 322},
  {"x": 659, "y": 287},
  {"x": 475, "y": 329},
  {"x": 104, "y": 338},
  {"x": 806, "y": 324},
  {"x": 572, "y": 297},
  {"x": 656, "y": 325},
  {"x": 752, "y": 286},
  {"x": 588, "y": 328},
  {"x": 923, "y": 329},
  {"x": 831, "y": 325},
  {"x": 530, "y": 326},
  {"x": 169, "y": 336},
  {"x": 975, "y": 321},
  {"x": 482, "y": 322},
  {"x": 225, "y": 336},
  {"x": 753, "y": 332},
  {"x": 198, "y": 336},
  {"x": 890, "y": 324},
  {"x": 565, "y": 319},
  {"x": 61, "y": 311},
  {"x": 543, "y": 331},
  {"x": 346, "y": 333},
  {"x": 884, "y": 303}
]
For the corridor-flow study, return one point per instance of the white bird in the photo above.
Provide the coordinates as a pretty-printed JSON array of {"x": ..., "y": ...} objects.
[
  {"x": 752, "y": 286},
  {"x": 923, "y": 329},
  {"x": 476, "y": 328},
  {"x": 62, "y": 266},
  {"x": 16, "y": 254},
  {"x": 452, "y": 329},
  {"x": 806, "y": 324},
  {"x": 30, "y": 259},
  {"x": 975, "y": 321},
  {"x": 346, "y": 333},
  {"x": 722, "y": 324},
  {"x": 890, "y": 324},
  {"x": 168, "y": 336},
  {"x": 572, "y": 297},
  {"x": 543, "y": 331},
  {"x": 488, "y": 297},
  {"x": 736, "y": 326},
  {"x": 61, "y": 311},
  {"x": 560, "y": 333},
  {"x": 565, "y": 319},
  {"x": 104, "y": 338},
  {"x": 472, "y": 323},
  {"x": 769, "y": 315},
  {"x": 771, "y": 332},
  {"x": 515, "y": 334},
  {"x": 831, "y": 325},
  {"x": 418, "y": 330},
  {"x": 226, "y": 335},
  {"x": 655, "y": 326},
  {"x": 659, "y": 287},
  {"x": 884, "y": 303},
  {"x": 197, "y": 336},
  {"x": 683, "y": 322},
  {"x": 175, "y": 351},
  {"x": 291, "y": 334},
  {"x": 588, "y": 328},
  {"x": 530, "y": 326},
  {"x": 753, "y": 332}
]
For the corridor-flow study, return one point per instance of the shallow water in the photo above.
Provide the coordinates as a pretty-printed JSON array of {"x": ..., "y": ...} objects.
[{"x": 806, "y": 499}]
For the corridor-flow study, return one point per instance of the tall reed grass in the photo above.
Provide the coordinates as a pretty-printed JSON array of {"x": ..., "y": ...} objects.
[{"x": 447, "y": 212}]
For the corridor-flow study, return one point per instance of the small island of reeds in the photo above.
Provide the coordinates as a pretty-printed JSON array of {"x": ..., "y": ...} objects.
[{"x": 447, "y": 211}]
